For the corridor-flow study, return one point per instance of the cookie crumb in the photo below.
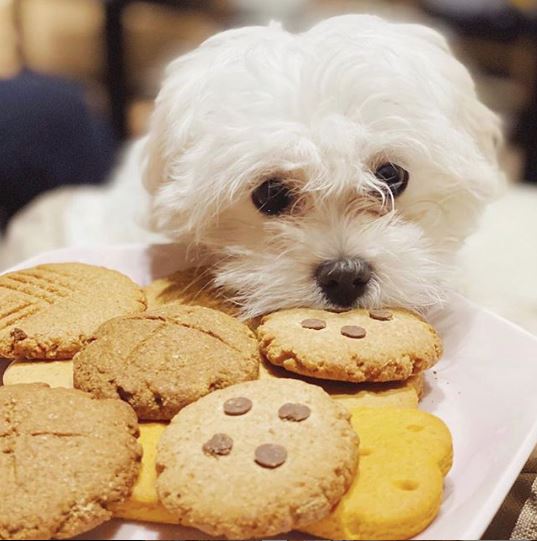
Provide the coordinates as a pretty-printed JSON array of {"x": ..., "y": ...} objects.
[
  {"x": 218, "y": 445},
  {"x": 18, "y": 334}
]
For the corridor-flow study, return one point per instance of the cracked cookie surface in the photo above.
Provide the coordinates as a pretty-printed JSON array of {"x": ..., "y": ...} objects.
[
  {"x": 65, "y": 460},
  {"x": 50, "y": 311},
  {"x": 256, "y": 459},
  {"x": 162, "y": 360},
  {"x": 354, "y": 346}
]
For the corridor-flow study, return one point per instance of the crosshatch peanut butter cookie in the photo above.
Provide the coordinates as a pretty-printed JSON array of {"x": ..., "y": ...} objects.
[
  {"x": 162, "y": 360},
  {"x": 256, "y": 459},
  {"x": 65, "y": 461},
  {"x": 357, "y": 345},
  {"x": 193, "y": 286},
  {"x": 50, "y": 311}
]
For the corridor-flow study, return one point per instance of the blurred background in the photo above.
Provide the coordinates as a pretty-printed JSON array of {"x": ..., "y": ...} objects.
[{"x": 78, "y": 77}]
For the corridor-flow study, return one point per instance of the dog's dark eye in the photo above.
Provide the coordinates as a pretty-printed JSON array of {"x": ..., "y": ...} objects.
[
  {"x": 272, "y": 197},
  {"x": 394, "y": 176}
]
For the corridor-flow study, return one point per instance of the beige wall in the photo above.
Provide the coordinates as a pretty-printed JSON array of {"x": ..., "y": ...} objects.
[
  {"x": 64, "y": 37},
  {"x": 8, "y": 43}
]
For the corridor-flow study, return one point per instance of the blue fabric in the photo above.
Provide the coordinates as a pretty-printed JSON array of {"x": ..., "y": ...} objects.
[{"x": 48, "y": 138}]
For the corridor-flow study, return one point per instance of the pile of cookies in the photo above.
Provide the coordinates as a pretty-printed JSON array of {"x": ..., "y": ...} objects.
[{"x": 309, "y": 423}]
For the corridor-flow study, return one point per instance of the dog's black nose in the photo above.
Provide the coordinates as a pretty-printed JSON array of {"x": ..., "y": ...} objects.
[{"x": 343, "y": 280}]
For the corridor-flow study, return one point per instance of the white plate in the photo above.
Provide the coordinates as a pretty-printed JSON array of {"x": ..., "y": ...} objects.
[{"x": 483, "y": 388}]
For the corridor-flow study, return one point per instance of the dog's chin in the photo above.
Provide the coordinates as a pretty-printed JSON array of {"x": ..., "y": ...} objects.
[{"x": 283, "y": 284}]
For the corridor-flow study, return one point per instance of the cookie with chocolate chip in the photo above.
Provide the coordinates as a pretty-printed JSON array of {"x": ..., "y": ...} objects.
[
  {"x": 256, "y": 459},
  {"x": 354, "y": 346},
  {"x": 164, "y": 359}
]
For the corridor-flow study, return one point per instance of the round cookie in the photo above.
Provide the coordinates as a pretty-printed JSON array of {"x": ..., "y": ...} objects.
[
  {"x": 65, "y": 460},
  {"x": 51, "y": 311},
  {"x": 357, "y": 345},
  {"x": 401, "y": 394},
  {"x": 192, "y": 286},
  {"x": 283, "y": 463},
  {"x": 164, "y": 359}
]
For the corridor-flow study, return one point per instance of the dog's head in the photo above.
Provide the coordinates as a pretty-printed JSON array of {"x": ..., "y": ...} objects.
[{"x": 335, "y": 168}]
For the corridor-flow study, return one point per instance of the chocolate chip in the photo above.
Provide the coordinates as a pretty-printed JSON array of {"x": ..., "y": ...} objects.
[
  {"x": 18, "y": 334},
  {"x": 219, "y": 444},
  {"x": 270, "y": 455},
  {"x": 353, "y": 331},
  {"x": 237, "y": 406},
  {"x": 381, "y": 315},
  {"x": 315, "y": 324},
  {"x": 294, "y": 412}
]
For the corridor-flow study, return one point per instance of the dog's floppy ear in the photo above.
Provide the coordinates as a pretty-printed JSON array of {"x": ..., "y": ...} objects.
[
  {"x": 182, "y": 129},
  {"x": 484, "y": 125},
  {"x": 173, "y": 119},
  {"x": 428, "y": 34},
  {"x": 481, "y": 124}
]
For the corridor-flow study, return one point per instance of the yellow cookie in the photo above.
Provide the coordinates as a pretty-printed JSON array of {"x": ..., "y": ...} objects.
[
  {"x": 54, "y": 373},
  {"x": 404, "y": 455},
  {"x": 399, "y": 394},
  {"x": 143, "y": 504}
]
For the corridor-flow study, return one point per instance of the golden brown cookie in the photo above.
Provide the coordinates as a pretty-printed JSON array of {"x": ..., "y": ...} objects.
[
  {"x": 395, "y": 394},
  {"x": 193, "y": 286},
  {"x": 164, "y": 359},
  {"x": 65, "y": 461},
  {"x": 256, "y": 459},
  {"x": 50, "y": 311},
  {"x": 357, "y": 345}
]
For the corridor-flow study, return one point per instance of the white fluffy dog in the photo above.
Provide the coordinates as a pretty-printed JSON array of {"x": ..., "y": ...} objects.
[{"x": 339, "y": 167}]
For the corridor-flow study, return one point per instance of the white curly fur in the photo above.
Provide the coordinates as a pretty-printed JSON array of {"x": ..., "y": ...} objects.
[{"x": 321, "y": 109}]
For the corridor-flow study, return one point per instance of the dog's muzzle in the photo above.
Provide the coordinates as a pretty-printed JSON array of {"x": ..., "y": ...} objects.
[{"x": 342, "y": 281}]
